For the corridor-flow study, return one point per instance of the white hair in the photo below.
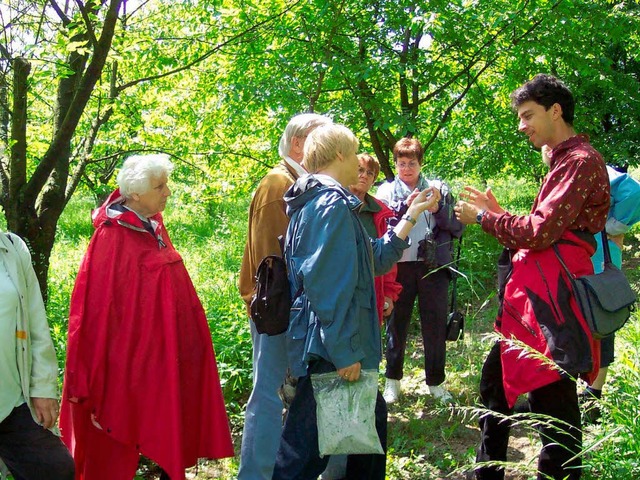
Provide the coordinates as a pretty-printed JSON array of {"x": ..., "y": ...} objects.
[
  {"x": 299, "y": 126},
  {"x": 138, "y": 170}
]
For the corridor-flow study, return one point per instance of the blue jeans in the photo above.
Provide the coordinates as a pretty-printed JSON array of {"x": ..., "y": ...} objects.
[
  {"x": 31, "y": 452},
  {"x": 263, "y": 415}
]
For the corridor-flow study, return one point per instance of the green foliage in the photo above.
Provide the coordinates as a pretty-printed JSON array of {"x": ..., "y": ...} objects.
[
  {"x": 216, "y": 92},
  {"x": 211, "y": 241},
  {"x": 614, "y": 446}
]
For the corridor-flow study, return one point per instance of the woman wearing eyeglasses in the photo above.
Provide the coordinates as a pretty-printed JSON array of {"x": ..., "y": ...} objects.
[{"x": 422, "y": 271}]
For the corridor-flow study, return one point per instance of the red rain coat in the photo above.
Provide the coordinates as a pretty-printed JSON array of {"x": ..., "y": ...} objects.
[
  {"x": 139, "y": 357},
  {"x": 539, "y": 310}
]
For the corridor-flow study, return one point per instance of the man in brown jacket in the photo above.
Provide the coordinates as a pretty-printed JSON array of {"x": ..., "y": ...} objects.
[{"x": 267, "y": 221}]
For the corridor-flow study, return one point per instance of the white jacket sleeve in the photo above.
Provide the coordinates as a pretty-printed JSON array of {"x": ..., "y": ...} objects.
[{"x": 42, "y": 365}]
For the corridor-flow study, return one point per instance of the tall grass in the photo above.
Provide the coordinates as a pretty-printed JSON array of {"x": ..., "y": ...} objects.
[{"x": 613, "y": 447}]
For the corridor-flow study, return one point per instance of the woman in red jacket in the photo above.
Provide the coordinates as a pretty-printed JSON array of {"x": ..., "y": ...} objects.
[{"x": 141, "y": 375}]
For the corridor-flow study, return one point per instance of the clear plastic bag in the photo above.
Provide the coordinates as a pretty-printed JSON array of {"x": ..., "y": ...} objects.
[{"x": 346, "y": 413}]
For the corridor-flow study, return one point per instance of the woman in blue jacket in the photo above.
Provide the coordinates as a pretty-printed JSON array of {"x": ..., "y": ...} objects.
[{"x": 333, "y": 323}]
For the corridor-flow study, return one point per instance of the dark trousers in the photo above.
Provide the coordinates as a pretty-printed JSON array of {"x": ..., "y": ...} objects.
[
  {"x": 30, "y": 452},
  {"x": 299, "y": 456},
  {"x": 432, "y": 293},
  {"x": 560, "y": 441}
]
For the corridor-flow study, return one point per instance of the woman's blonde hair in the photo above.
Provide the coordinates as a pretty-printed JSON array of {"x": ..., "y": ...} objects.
[{"x": 325, "y": 143}]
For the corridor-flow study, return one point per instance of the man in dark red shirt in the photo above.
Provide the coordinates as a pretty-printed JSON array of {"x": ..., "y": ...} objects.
[{"x": 545, "y": 343}]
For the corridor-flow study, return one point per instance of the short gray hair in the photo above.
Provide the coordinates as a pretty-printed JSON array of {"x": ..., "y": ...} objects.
[
  {"x": 138, "y": 170},
  {"x": 325, "y": 143},
  {"x": 298, "y": 126}
]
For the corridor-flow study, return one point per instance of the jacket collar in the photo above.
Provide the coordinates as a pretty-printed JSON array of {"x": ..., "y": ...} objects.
[
  {"x": 113, "y": 210},
  {"x": 294, "y": 167}
]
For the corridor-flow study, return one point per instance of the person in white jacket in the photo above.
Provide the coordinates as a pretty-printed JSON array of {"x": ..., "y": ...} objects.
[{"x": 29, "y": 445}]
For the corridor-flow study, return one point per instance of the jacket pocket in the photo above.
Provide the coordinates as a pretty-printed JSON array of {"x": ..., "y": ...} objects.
[{"x": 363, "y": 298}]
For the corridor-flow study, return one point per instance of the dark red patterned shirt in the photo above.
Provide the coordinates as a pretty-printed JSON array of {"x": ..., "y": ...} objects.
[{"x": 574, "y": 195}]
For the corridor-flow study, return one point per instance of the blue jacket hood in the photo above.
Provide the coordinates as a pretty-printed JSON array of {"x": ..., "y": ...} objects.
[{"x": 310, "y": 186}]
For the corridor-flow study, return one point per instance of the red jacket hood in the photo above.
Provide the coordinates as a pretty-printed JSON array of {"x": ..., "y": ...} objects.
[{"x": 128, "y": 218}]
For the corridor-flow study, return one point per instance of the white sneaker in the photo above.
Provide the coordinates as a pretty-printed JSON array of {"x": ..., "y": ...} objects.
[
  {"x": 439, "y": 393},
  {"x": 391, "y": 390}
]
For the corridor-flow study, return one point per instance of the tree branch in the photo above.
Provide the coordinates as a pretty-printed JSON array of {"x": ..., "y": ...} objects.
[
  {"x": 66, "y": 131},
  {"x": 87, "y": 22},
  {"x": 209, "y": 53},
  {"x": 4, "y": 180},
  {"x": 5, "y": 53},
  {"x": 447, "y": 113},
  {"x": 18, "y": 155},
  {"x": 65, "y": 20},
  {"x": 313, "y": 99},
  {"x": 89, "y": 144}
]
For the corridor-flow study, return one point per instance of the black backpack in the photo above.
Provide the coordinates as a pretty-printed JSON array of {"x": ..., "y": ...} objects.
[{"x": 271, "y": 299}]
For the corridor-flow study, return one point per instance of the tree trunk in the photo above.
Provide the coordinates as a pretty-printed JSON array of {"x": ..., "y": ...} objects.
[
  {"x": 33, "y": 205},
  {"x": 21, "y": 216}
]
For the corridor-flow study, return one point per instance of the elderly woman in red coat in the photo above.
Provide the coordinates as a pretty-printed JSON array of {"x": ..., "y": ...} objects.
[{"x": 141, "y": 375}]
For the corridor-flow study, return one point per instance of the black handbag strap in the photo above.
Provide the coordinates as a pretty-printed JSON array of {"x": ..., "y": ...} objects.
[
  {"x": 454, "y": 289},
  {"x": 605, "y": 247},
  {"x": 571, "y": 276},
  {"x": 605, "y": 251}
]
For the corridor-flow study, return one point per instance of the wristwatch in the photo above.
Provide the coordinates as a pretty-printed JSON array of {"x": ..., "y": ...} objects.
[
  {"x": 409, "y": 218},
  {"x": 479, "y": 216}
]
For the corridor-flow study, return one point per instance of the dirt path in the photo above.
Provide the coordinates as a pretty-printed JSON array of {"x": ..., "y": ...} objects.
[{"x": 431, "y": 441}]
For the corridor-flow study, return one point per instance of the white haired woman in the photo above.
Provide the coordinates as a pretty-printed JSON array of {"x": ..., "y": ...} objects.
[{"x": 141, "y": 376}]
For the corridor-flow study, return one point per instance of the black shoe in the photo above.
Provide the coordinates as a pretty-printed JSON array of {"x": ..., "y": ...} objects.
[{"x": 590, "y": 406}]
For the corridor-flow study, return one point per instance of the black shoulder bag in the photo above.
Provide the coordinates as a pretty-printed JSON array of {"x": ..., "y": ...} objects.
[
  {"x": 271, "y": 301},
  {"x": 606, "y": 299}
]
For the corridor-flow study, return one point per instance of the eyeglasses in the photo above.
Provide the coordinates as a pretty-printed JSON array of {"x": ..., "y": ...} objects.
[
  {"x": 410, "y": 165},
  {"x": 369, "y": 173}
]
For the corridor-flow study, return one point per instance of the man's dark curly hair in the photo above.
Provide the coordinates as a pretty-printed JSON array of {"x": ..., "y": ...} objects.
[{"x": 545, "y": 90}]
